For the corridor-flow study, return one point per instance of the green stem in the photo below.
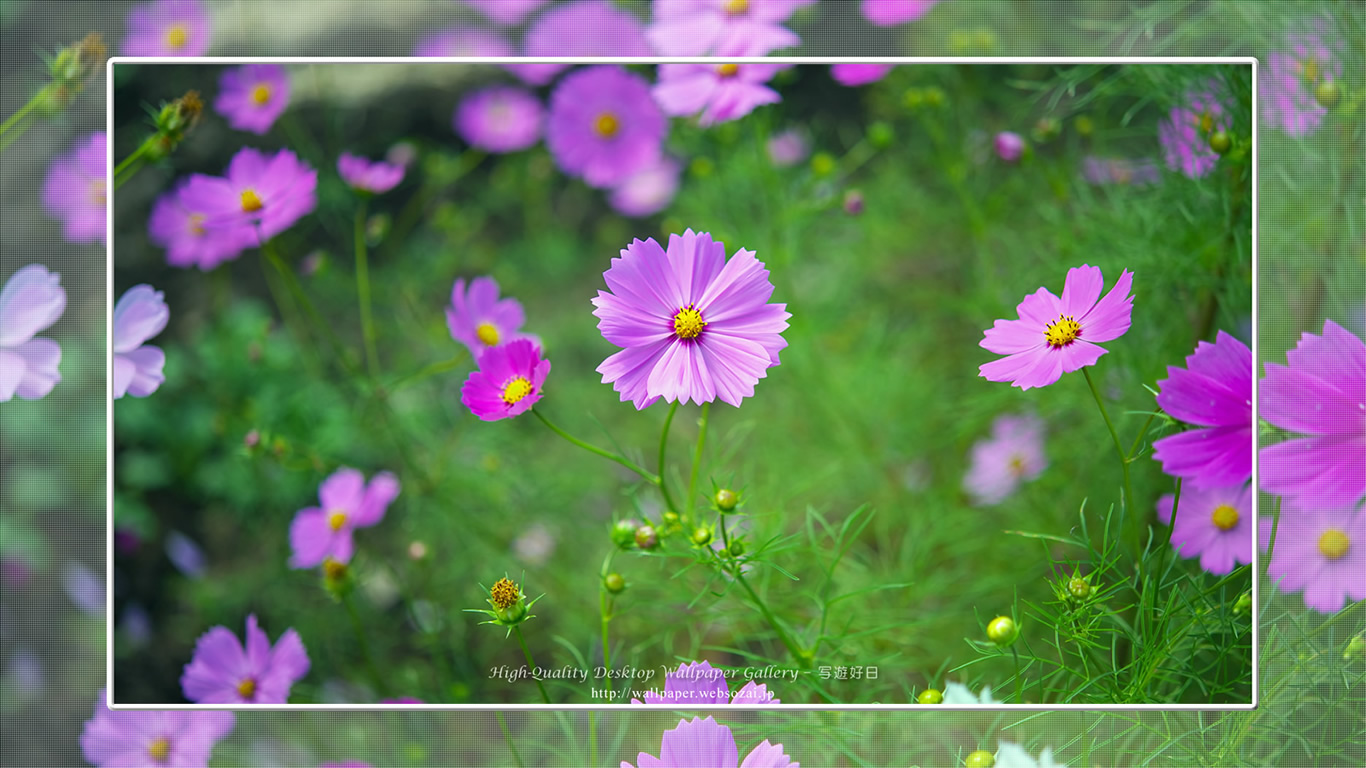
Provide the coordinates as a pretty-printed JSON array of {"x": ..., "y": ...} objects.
[
  {"x": 1162, "y": 555},
  {"x": 292, "y": 283},
  {"x": 1271, "y": 542},
  {"x": 430, "y": 370},
  {"x": 593, "y": 735},
  {"x": 663, "y": 445},
  {"x": 1141, "y": 433},
  {"x": 697, "y": 456},
  {"x": 605, "y": 612},
  {"x": 131, "y": 164},
  {"x": 507, "y": 736},
  {"x": 367, "y": 322},
  {"x": 364, "y": 646},
  {"x": 1128, "y": 504},
  {"x": 797, "y": 654},
  {"x": 531, "y": 665},
  {"x": 1019, "y": 682},
  {"x": 622, "y": 460},
  {"x": 15, "y": 118}
]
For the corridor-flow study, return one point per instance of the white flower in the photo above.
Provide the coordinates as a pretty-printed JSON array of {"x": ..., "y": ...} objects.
[{"x": 957, "y": 693}]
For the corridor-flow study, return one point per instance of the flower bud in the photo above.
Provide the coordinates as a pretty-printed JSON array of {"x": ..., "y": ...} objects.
[
  {"x": 822, "y": 164},
  {"x": 934, "y": 97},
  {"x": 337, "y": 578},
  {"x": 614, "y": 583},
  {"x": 980, "y": 759},
  {"x": 913, "y": 98},
  {"x": 251, "y": 439},
  {"x": 1009, "y": 146},
  {"x": 1085, "y": 126},
  {"x": 1356, "y": 649},
  {"x": 1243, "y": 604},
  {"x": 624, "y": 534},
  {"x": 702, "y": 167},
  {"x": 72, "y": 67},
  {"x": 670, "y": 520},
  {"x": 508, "y": 601},
  {"x": 853, "y": 202},
  {"x": 646, "y": 538},
  {"x": 417, "y": 550},
  {"x": 1328, "y": 94},
  {"x": 1002, "y": 631},
  {"x": 726, "y": 499},
  {"x": 930, "y": 696},
  {"x": 701, "y": 536},
  {"x": 880, "y": 135},
  {"x": 737, "y": 548},
  {"x": 1079, "y": 588},
  {"x": 1220, "y": 142}
]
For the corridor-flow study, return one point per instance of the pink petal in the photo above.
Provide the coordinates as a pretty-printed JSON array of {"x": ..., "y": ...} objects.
[
  {"x": 1081, "y": 290},
  {"x": 1110, "y": 318}
]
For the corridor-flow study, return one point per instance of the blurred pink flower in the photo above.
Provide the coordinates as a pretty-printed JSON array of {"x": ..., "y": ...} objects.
[
  {"x": 1321, "y": 551},
  {"x": 181, "y": 738},
  {"x": 505, "y": 12},
  {"x": 479, "y": 319},
  {"x": 463, "y": 41},
  {"x": 604, "y": 126},
  {"x": 1012, "y": 455},
  {"x": 1311, "y": 57},
  {"x": 696, "y": 684},
  {"x": 74, "y": 190},
  {"x": 649, "y": 191},
  {"x": 703, "y": 27},
  {"x": 347, "y": 502},
  {"x": 181, "y": 231},
  {"x": 854, "y": 75},
  {"x": 788, "y": 148},
  {"x": 889, "y": 13},
  {"x": 140, "y": 314},
  {"x": 265, "y": 193},
  {"x": 223, "y": 672},
  {"x": 500, "y": 119},
  {"x": 31, "y": 301},
  {"x": 253, "y": 96},
  {"x": 1212, "y": 523},
  {"x": 168, "y": 28},
  {"x": 705, "y": 742},
  {"x": 1185, "y": 133},
  {"x": 720, "y": 92},
  {"x": 369, "y": 176},
  {"x": 594, "y": 28},
  {"x": 1009, "y": 146}
]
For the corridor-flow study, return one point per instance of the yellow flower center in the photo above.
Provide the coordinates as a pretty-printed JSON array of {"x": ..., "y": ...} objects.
[
  {"x": 504, "y": 593},
  {"x": 260, "y": 94},
  {"x": 607, "y": 125},
  {"x": 247, "y": 688},
  {"x": 251, "y": 202},
  {"x": 177, "y": 36},
  {"x": 1225, "y": 517},
  {"x": 488, "y": 334},
  {"x": 197, "y": 224},
  {"x": 688, "y": 323},
  {"x": 336, "y": 520},
  {"x": 1310, "y": 70},
  {"x": 1206, "y": 122},
  {"x": 98, "y": 192},
  {"x": 728, "y": 70},
  {"x": 737, "y": 7},
  {"x": 1334, "y": 543},
  {"x": 1017, "y": 466},
  {"x": 160, "y": 749},
  {"x": 1062, "y": 331},
  {"x": 515, "y": 390},
  {"x": 333, "y": 570}
]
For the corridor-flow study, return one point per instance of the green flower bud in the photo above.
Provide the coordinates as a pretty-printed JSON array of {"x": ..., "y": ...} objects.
[
  {"x": 1002, "y": 631},
  {"x": 615, "y": 583},
  {"x": 980, "y": 759},
  {"x": 934, "y": 97},
  {"x": 726, "y": 499},
  {"x": 1356, "y": 649},
  {"x": 670, "y": 520},
  {"x": 1079, "y": 588},
  {"x": 822, "y": 164},
  {"x": 623, "y": 534},
  {"x": 737, "y": 548},
  {"x": 508, "y": 601},
  {"x": 913, "y": 98},
  {"x": 1328, "y": 94},
  {"x": 1243, "y": 604},
  {"x": 701, "y": 536},
  {"x": 880, "y": 134},
  {"x": 1085, "y": 126},
  {"x": 1220, "y": 142},
  {"x": 930, "y": 696},
  {"x": 702, "y": 167},
  {"x": 646, "y": 538},
  {"x": 337, "y": 578}
]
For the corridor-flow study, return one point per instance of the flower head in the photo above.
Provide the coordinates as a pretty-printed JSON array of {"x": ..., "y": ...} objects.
[
  {"x": 719, "y": 92},
  {"x": 181, "y": 738},
  {"x": 479, "y": 319},
  {"x": 702, "y": 27},
  {"x": 604, "y": 126},
  {"x": 505, "y": 12},
  {"x": 346, "y": 503},
  {"x": 699, "y": 683},
  {"x": 588, "y": 28},
  {"x": 1311, "y": 58},
  {"x": 253, "y": 96},
  {"x": 509, "y": 381},
  {"x": 1185, "y": 133},
  {"x": 265, "y": 193},
  {"x": 74, "y": 190},
  {"x": 889, "y": 13},
  {"x": 140, "y": 314},
  {"x": 1012, "y": 455},
  {"x": 500, "y": 119},
  {"x": 1321, "y": 551},
  {"x": 1213, "y": 391},
  {"x": 649, "y": 191},
  {"x": 168, "y": 28},
  {"x": 1055, "y": 336},
  {"x": 1321, "y": 393},
  {"x": 223, "y": 672},
  {"x": 1214, "y": 524},
  {"x": 371, "y": 177},
  {"x": 700, "y": 742},
  {"x": 788, "y": 148},
  {"x": 31, "y": 301},
  {"x": 509, "y": 606},
  {"x": 182, "y": 232},
  {"x": 463, "y": 41},
  {"x": 1009, "y": 146},
  {"x": 854, "y": 75},
  {"x": 1119, "y": 170},
  {"x": 692, "y": 325}
]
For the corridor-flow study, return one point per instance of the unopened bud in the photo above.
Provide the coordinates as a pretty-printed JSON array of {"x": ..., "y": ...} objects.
[
  {"x": 979, "y": 759},
  {"x": 1356, "y": 649},
  {"x": 737, "y": 548},
  {"x": 1085, "y": 126},
  {"x": 853, "y": 202},
  {"x": 615, "y": 583},
  {"x": 1243, "y": 604},
  {"x": 822, "y": 164},
  {"x": 701, "y": 536},
  {"x": 417, "y": 550},
  {"x": 726, "y": 499},
  {"x": 624, "y": 534},
  {"x": 1079, "y": 588},
  {"x": 1002, "y": 631},
  {"x": 880, "y": 135},
  {"x": 1328, "y": 94},
  {"x": 930, "y": 696},
  {"x": 646, "y": 538},
  {"x": 251, "y": 439},
  {"x": 1046, "y": 129},
  {"x": 1220, "y": 142}
]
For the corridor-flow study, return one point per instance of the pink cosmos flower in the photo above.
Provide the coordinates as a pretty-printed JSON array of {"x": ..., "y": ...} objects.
[
  {"x": 889, "y": 13},
  {"x": 1214, "y": 524},
  {"x": 705, "y": 742},
  {"x": 1119, "y": 170},
  {"x": 1213, "y": 391},
  {"x": 140, "y": 314},
  {"x": 479, "y": 319},
  {"x": 699, "y": 683},
  {"x": 701, "y": 27},
  {"x": 500, "y": 119},
  {"x": 505, "y": 12},
  {"x": 1009, "y": 146},
  {"x": 1321, "y": 393},
  {"x": 180, "y": 738},
  {"x": 168, "y": 28},
  {"x": 74, "y": 190},
  {"x": 692, "y": 325},
  {"x": 181, "y": 231},
  {"x": 788, "y": 148},
  {"x": 509, "y": 381},
  {"x": 346, "y": 503},
  {"x": 604, "y": 126},
  {"x": 1012, "y": 455},
  {"x": 262, "y": 193},
  {"x": 649, "y": 191},
  {"x": 31, "y": 301},
  {"x": 854, "y": 75},
  {"x": 1320, "y": 551},
  {"x": 1055, "y": 336},
  {"x": 222, "y": 672},
  {"x": 252, "y": 97},
  {"x": 720, "y": 92},
  {"x": 1185, "y": 133},
  {"x": 374, "y": 178},
  {"x": 1311, "y": 57},
  {"x": 590, "y": 28},
  {"x": 463, "y": 41}
]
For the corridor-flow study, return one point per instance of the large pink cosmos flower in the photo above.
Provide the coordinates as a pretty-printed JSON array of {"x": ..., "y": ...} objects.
[
  {"x": 261, "y": 193},
  {"x": 510, "y": 379},
  {"x": 604, "y": 126},
  {"x": 181, "y": 231},
  {"x": 1214, "y": 524},
  {"x": 1321, "y": 393},
  {"x": 1320, "y": 551},
  {"x": 1213, "y": 391},
  {"x": 347, "y": 503},
  {"x": 1055, "y": 336},
  {"x": 223, "y": 672},
  {"x": 140, "y": 314},
  {"x": 699, "y": 683},
  {"x": 180, "y": 738},
  {"x": 692, "y": 325},
  {"x": 705, "y": 742},
  {"x": 32, "y": 300},
  {"x": 701, "y": 27}
]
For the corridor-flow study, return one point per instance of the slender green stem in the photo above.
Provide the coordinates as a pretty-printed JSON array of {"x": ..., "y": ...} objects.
[
  {"x": 131, "y": 164},
  {"x": 367, "y": 322},
  {"x": 531, "y": 665},
  {"x": 1271, "y": 542},
  {"x": 1141, "y": 433},
  {"x": 593, "y": 735},
  {"x": 1166, "y": 545},
  {"x": 430, "y": 370},
  {"x": 663, "y": 445},
  {"x": 507, "y": 736},
  {"x": 792, "y": 648},
  {"x": 1019, "y": 681},
  {"x": 622, "y": 460},
  {"x": 605, "y": 612},
  {"x": 725, "y": 538},
  {"x": 15, "y": 118},
  {"x": 292, "y": 282},
  {"x": 1128, "y": 505},
  {"x": 697, "y": 457},
  {"x": 365, "y": 646}
]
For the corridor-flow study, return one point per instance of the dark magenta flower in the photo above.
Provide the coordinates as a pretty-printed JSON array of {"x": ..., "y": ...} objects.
[
  {"x": 168, "y": 28},
  {"x": 702, "y": 27},
  {"x": 31, "y": 301},
  {"x": 505, "y": 12},
  {"x": 854, "y": 75},
  {"x": 178, "y": 738},
  {"x": 889, "y": 13},
  {"x": 223, "y": 672},
  {"x": 509, "y": 381},
  {"x": 699, "y": 683},
  {"x": 604, "y": 126},
  {"x": 479, "y": 319},
  {"x": 372, "y": 177},
  {"x": 705, "y": 742},
  {"x": 1213, "y": 391},
  {"x": 253, "y": 96},
  {"x": 1185, "y": 133},
  {"x": 586, "y": 28},
  {"x": 140, "y": 314},
  {"x": 260, "y": 193},
  {"x": 182, "y": 232},
  {"x": 346, "y": 503},
  {"x": 463, "y": 41},
  {"x": 74, "y": 190},
  {"x": 1009, "y": 146},
  {"x": 1214, "y": 524},
  {"x": 719, "y": 92},
  {"x": 1055, "y": 336},
  {"x": 649, "y": 191},
  {"x": 500, "y": 119}
]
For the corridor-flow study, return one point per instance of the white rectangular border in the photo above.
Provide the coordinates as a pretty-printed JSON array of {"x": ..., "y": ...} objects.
[{"x": 672, "y": 707}]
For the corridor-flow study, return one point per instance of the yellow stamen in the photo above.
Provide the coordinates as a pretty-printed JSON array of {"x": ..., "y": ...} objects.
[
  {"x": 515, "y": 390},
  {"x": 247, "y": 688},
  {"x": 488, "y": 334},
  {"x": 177, "y": 36},
  {"x": 98, "y": 192},
  {"x": 1310, "y": 70},
  {"x": 688, "y": 323},
  {"x": 737, "y": 7},
  {"x": 1206, "y": 122},
  {"x": 504, "y": 593},
  {"x": 1017, "y": 466},
  {"x": 251, "y": 202},
  {"x": 160, "y": 749},
  {"x": 197, "y": 224},
  {"x": 1334, "y": 543},
  {"x": 333, "y": 570},
  {"x": 1225, "y": 517},
  {"x": 607, "y": 125},
  {"x": 728, "y": 70},
  {"x": 260, "y": 94},
  {"x": 1062, "y": 331},
  {"x": 336, "y": 520}
]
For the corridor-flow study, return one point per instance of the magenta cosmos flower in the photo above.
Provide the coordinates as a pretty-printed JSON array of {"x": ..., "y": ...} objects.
[
  {"x": 74, "y": 190},
  {"x": 369, "y": 177},
  {"x": 854, "y": 75},
  {"x": 705, "y": 742},
  {"x": 182, "y": 232},
  {"x": 604, "y": 126},
  {"x": 178, "y": 738},
  {"x": 1009, "y": 146},
  {"x": 1055, "y": 336},
  {"x": 140, "y": 314},
  {"x": 720, "y": 92},
  {"x": 269, "y": 193},
  {"x": 31, "y": 301},
  {"x": 1321, "y": 393},
  {"x": 479, "y": 319},
  {"x": 505, "y": 12},
  {"x": 1322, "y": 552},
  {"x": 463, "y": 41},
  {"x": 167, "y": 28},
  {"x": 509, "y": 381},
  {"x": 500, "y": 119},
  {"x": 1011, "y": 456},
  {"x": 692, "y": 325},
  {"x": 889, "y": 13},
  {"x": 1185, "y": 133},
  {"x": 589, "y": 28},
  {"x": 1214, "y": 524},
  {"x": 223, "y": 672},
  {"x": 1213, "y": 391},
  {"x": 1311, "y": 57},
  {"x": 701, "y": 27},
  {"x": 699, "y": 683},
  {"x": 325, "y": 532},
  {"x": 252, "y": 97},
  {"x": 649, "y": 191}
]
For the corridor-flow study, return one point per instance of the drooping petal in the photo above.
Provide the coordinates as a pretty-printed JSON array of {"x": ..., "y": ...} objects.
[{"x": 147, "y": 363}]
